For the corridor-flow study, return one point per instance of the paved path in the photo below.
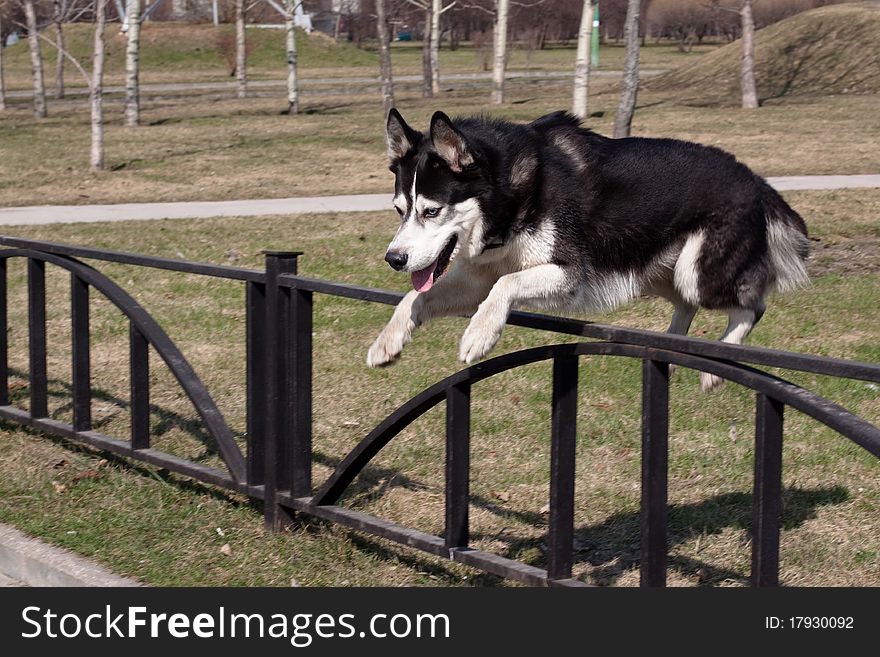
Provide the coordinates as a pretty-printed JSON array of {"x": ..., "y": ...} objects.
[
  {"x": 325, "y": 83},
  {"x": 51, "y": 214}
]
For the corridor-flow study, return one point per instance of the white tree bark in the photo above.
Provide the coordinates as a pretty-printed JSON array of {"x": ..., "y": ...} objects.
[
  {"x": 582, "y": 63},
  {"x": 59, "y": 45},
  {"x": 36, "y": 59},
  {"x": 384, "y": 58},
  {"x": 747, "y": 76},
  {"x": 240, "y": 48},
  {"x": 427, "y": 87},
  {"x": 132, "y": 63},
  {"x": 627, "y": 106},
  {"x": 436, "y": 10},
  {"x": 500, "y": 60},
  {"x": 292, "y": 79},
  {"x": 97, "y": 88},
  {"x": 2, "y": 79}
]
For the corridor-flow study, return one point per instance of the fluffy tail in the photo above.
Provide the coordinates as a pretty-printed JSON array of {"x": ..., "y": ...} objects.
[{"x": 787, "y": 243}]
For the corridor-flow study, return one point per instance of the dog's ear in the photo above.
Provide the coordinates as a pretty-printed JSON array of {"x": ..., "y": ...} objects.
[
  {"x": 449, "y": 143},
  {"x": 399, "y": 136}
]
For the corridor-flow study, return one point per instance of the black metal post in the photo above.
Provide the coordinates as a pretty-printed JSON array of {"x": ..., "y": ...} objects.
[
  {"x": 277, "y": 475},
  {"x": 39, "y": 406},
  {"x": 299, "y": 393},
  {"x": 767, "y": 495},
  {"x": 562, "y": 460},
  {"x": 458, "y": 434},
  {"x": 4, "y": 338},
  {"x": 81, "y": 365},
  {"x": 655, "y": 464},
  {"x": 255, "y": 301},
  {"x": 139, "y": 373}
]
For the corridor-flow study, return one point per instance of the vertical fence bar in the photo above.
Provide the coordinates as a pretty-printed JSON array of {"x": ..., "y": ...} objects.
[
  {"x": 255, "y": 301},
  {"x": 276, "y": 475},
  {"x": 4, "y": 337},
  {"x": 562, "y": 460},
  {"x": 37, "y": 338},
  {"x": 139, "y": 373},
  {"x": 299, "y": 392},
  {"x": 81, "y": 359},
  {"x": 767, "y": 495},
  {"x": 655, "y": 465},
  {"x": 458, "y": 436}
]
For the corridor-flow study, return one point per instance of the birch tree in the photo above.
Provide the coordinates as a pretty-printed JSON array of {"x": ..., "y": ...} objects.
[
  {"x": 630, "y": 85},
  {"x": 384, "y": 58},
  {"x": 502, "y": 10},
  {"x": 133, "y": 12},
  {"x": 2, "y": 79},
  {"x": 292, "y": 80},
  {"x": 747, "y": 72},
  {"x": 36, "y": 59},
  {"x": 97, "y": 88},
  {"x": 57, "y": 18},
  {"x": 427, "y": 86},
  {"x": 240, "y": 48},
  {"x": 436, "y": 10},
  {"x": 582, "y": 63}
]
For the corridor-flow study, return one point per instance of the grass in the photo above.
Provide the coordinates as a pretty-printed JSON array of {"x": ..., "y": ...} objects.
[
  {"x": 828, "y": 50},
  {"x": 177, "y": 52},
  {"x": 214, "y": 147},
  {"x": 163, "y": 529}
]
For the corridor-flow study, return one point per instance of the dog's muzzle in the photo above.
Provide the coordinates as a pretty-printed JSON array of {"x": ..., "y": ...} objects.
[{"x": 396, "y": 259}]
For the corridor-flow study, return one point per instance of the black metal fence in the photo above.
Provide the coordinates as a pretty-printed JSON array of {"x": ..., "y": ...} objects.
[{"x": 276, "y": 465}]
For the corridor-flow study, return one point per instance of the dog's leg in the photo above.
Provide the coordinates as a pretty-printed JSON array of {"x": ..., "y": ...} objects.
[
  {"x": 740, "y": 323},
  {"x": 459, "y": 294},
  {"x": 681, "y": 318},
  {"x": 533, "y": 286}
]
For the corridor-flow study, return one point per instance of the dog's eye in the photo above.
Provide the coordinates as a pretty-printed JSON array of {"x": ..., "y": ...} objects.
[
  {"x": 430, "y": 213},
  {"x": 399, "y": 211}
]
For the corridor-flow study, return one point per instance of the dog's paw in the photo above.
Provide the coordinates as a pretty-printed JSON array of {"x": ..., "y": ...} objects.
[
  {"x": 481, "y": 336},
  {"x": 710, "y": 382},
  {"x": 387, "y": 347}
]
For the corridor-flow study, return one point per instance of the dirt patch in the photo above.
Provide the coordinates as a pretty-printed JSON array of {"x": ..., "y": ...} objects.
[{"x": 860, "y": 256}]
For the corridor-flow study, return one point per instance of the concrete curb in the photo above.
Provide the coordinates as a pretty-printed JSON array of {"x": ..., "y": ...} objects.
[{"x": 31, "y": 562}]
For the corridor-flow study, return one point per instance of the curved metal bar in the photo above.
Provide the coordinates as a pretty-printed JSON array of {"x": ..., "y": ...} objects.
[
  {"x": 165, "y": 347},
  {"x": 828, "y": 413}
]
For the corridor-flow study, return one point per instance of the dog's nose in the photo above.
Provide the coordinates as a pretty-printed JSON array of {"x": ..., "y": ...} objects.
[{"x": 397, "y": 259}]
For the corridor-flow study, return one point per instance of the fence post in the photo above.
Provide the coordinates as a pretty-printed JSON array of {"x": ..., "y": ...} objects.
[
  {"x": 655, "y": 459},
  {"x": 767, "y": 495},
  {"x": 276, "y": 448},
  {"x": 37, "y": 338},
  {"x": 560, "y": 530}
]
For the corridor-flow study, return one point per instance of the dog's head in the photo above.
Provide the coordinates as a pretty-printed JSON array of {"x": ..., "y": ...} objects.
[{"x": 436, "y": 189}]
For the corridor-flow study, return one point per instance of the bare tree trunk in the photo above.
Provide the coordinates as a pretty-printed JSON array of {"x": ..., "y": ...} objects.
[
  {"x": 427, "y": 87},
  {"x": 240, "y": 48},
  {"x": 436, "y": 9},
  {"x": 97, "y": 88},
  {"x": 627, "y": 106},
  {"x": 747, "y": 78},
  {"x": 384, "y": 58},
  {"x": 132, "y": 64},
  {"x": 2, "y": 79},
  {"x": 59, "y": 46},
  {"x": 36, "y": 59},
  {"x": 582, "y": 63},
  {"x": 501, "y": 12},
  {"x": 292, "y": 80}
]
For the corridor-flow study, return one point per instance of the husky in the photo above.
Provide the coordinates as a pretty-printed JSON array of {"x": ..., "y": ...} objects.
[{"x": 553, "y": 216}]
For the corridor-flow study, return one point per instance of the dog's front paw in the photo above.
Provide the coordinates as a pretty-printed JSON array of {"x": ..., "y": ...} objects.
[
  {"x": 386, "y": 348},
  {"x": 480, "y": 337},
  {"x": 710, "y": 382}
]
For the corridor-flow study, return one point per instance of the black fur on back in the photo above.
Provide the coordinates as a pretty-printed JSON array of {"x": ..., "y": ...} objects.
[{"x": 616, "y": 204}]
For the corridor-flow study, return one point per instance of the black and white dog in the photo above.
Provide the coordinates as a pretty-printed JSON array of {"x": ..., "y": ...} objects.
[{"x": 553, "y": 216}]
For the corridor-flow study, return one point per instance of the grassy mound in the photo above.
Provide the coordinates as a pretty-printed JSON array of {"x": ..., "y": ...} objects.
[
  {"x": 181, "y": 47},
  {"x": 831, "y": 50}
]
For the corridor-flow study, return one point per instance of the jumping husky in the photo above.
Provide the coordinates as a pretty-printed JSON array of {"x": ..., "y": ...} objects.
[{"x": 551, "y": 215}]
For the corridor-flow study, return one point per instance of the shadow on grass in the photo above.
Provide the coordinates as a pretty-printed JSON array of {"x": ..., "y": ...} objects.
[{"x": 612, "y": 547}]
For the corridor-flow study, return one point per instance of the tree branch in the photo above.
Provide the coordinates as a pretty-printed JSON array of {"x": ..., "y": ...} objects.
[{"x": 63, "y": 51}]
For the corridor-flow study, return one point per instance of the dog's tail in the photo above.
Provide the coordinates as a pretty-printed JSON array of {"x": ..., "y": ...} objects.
[{"x": 787, "y": 242}]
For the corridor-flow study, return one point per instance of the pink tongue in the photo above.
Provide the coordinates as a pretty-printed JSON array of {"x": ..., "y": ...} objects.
[{"x": 423, "y": 279}]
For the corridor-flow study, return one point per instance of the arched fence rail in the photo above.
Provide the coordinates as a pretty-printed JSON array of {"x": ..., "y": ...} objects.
[{"x": 276, "y": 464}]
